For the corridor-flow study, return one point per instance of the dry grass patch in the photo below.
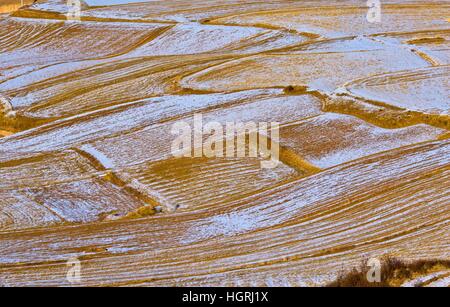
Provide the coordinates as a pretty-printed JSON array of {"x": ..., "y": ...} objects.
[{"x": 394, "y": 272}]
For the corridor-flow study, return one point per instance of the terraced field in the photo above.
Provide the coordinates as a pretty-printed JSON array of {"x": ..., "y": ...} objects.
[{"x": 87, "y": 170}]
